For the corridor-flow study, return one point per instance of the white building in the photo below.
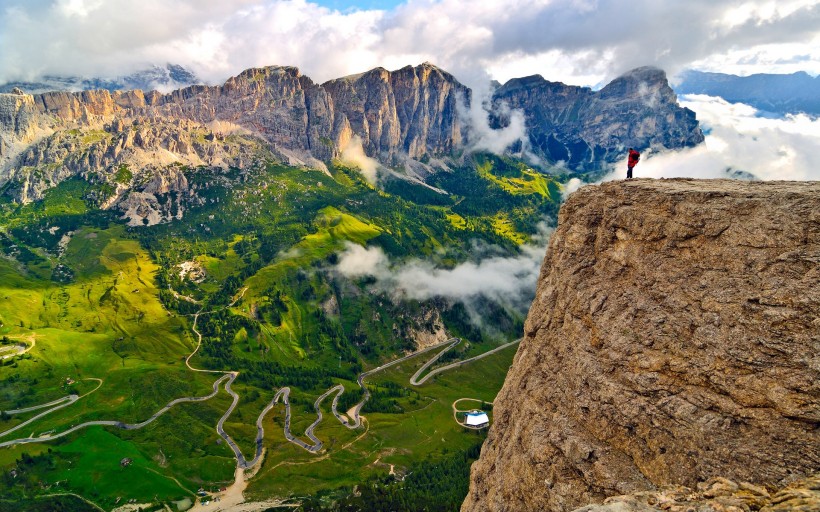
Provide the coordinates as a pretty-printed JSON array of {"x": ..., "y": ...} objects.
[{"x": 477, "y": 419}]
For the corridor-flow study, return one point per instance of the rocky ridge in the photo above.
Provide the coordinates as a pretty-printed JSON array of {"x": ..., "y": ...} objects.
[
  {"x": 673, "y": 339},
  {"x": 409, "y": 119}
]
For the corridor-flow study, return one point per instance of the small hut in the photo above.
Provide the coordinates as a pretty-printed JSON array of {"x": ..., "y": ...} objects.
[{"x": 476, "y": 419}]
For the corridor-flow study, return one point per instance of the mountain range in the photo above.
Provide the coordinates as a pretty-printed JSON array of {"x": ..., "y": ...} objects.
[
  {"x": 780, "y": 94},
  {"x": 167, "y": 77},
  {"x": 413, "y": 119}
]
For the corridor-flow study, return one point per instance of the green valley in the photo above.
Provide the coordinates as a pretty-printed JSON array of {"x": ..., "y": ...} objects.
[{"x": 103, "y": 313}]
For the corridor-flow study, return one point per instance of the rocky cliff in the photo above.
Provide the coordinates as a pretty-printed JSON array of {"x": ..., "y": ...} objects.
[
  {"x": 404, "y": 119},
  {"x": 412, "y": 112},
  {"x": 674, "y": 338}
]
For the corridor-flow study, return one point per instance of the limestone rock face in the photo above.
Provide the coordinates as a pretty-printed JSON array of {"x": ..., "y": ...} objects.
[
  {"x": 583, "y": 127},
  {"x": 272, "y": 102},
  {"x": 140, "y": 144},
  {"x": 718, "y": 495},
  {"x": 674, "y": 338},
  {"x": 411, "y": 111},
  {"x": 17, "y": 114}
]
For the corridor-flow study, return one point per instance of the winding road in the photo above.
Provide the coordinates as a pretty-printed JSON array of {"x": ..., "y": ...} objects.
[
  {"x": 415, "y": 381},
  {"x": 108, "y": 423},
  {"x": 18, "y": 349},
  {"x": 228, "y": 377}
]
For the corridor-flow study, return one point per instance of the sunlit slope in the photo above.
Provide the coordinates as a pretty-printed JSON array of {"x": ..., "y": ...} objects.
[
  {"x": 106, "y": 337},
  {"x": 107, "y": 313}
]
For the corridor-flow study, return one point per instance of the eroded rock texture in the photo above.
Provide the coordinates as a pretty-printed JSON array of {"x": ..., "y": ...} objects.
[
  {"x": 674, "y": 338},
  {"x": 718, "y": 495}
]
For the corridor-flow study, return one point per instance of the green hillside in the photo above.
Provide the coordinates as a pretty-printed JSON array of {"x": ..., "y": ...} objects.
[{"x": 94, "y": 308}]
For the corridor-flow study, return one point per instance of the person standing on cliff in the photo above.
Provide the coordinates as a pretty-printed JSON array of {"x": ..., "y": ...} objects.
[{"x": 634, "y": 156}]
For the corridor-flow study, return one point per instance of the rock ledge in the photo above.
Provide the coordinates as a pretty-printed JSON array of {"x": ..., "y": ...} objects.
[{"x": 674, "y": 338}]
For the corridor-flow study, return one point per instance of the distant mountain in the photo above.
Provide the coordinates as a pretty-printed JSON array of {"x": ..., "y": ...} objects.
[
  {"x": 168, "y": 77},
  {"x": 584, "y": 128},
  {"x": 782, "y": 94},
  {"x": 407, "y": 119}
]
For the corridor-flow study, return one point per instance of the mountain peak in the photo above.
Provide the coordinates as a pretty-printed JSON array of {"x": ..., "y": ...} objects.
[
  {"x": 646, "y": 82},
  {"x": 637, "y": 109},
  {"x": 429, "y": 65},
  {"x": 645, "y": 73}
]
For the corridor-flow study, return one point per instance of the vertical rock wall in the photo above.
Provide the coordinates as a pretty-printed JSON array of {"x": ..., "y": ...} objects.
[{"x": 675, "y": 337}]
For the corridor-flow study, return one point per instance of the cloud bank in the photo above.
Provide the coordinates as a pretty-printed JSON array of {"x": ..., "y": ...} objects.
[
  {"x": 739, "y": 139},
  {"x": 577, "y": 41},
  {"x": 476, "y": 116},
  {"x": 507, "y": 280}
]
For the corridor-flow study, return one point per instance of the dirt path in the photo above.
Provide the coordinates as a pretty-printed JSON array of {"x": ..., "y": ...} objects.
[
  {"x": 72, "y": 494},
  {"x": 232, "y": 496}
]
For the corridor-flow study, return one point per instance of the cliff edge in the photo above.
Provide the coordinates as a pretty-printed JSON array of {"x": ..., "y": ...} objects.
[{"x": 674, "y": 339}]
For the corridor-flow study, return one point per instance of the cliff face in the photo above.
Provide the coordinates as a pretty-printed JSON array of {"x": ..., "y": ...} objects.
[
  {"x": 673, "y": 338},
  {"x": 583, "y": 127},
  {"x": 409, "y": 112},
  {"x": 16, "y": 123}
]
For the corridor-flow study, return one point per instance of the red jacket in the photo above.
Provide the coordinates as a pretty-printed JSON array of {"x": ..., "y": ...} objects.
[{"x": 634, "y": 156}]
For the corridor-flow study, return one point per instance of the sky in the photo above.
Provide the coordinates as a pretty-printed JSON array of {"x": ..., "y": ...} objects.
[{"x": 580, "y": 42}]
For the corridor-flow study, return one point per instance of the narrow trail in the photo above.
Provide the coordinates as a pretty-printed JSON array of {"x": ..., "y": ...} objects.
[{"x": 86, "y": 500}]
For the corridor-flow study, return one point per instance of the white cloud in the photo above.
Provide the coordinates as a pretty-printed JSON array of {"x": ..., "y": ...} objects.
[
  {"x": 477, "y": 118},
  {"x": 738, "y": 139},
  {"x": 571, "y": 186},
  {"x": 508, "y": 280},
  {"x": 353, "y": 154},
  {"x": 357, "y": 261},
  {"x": 575, "y": 41}
]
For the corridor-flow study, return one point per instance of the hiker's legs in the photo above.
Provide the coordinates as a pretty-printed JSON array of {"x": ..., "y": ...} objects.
[{"x": 628, "y": 172}]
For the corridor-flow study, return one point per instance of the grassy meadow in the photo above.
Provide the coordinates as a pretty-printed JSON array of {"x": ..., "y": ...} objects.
[{"x": 106, "y": 312}]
